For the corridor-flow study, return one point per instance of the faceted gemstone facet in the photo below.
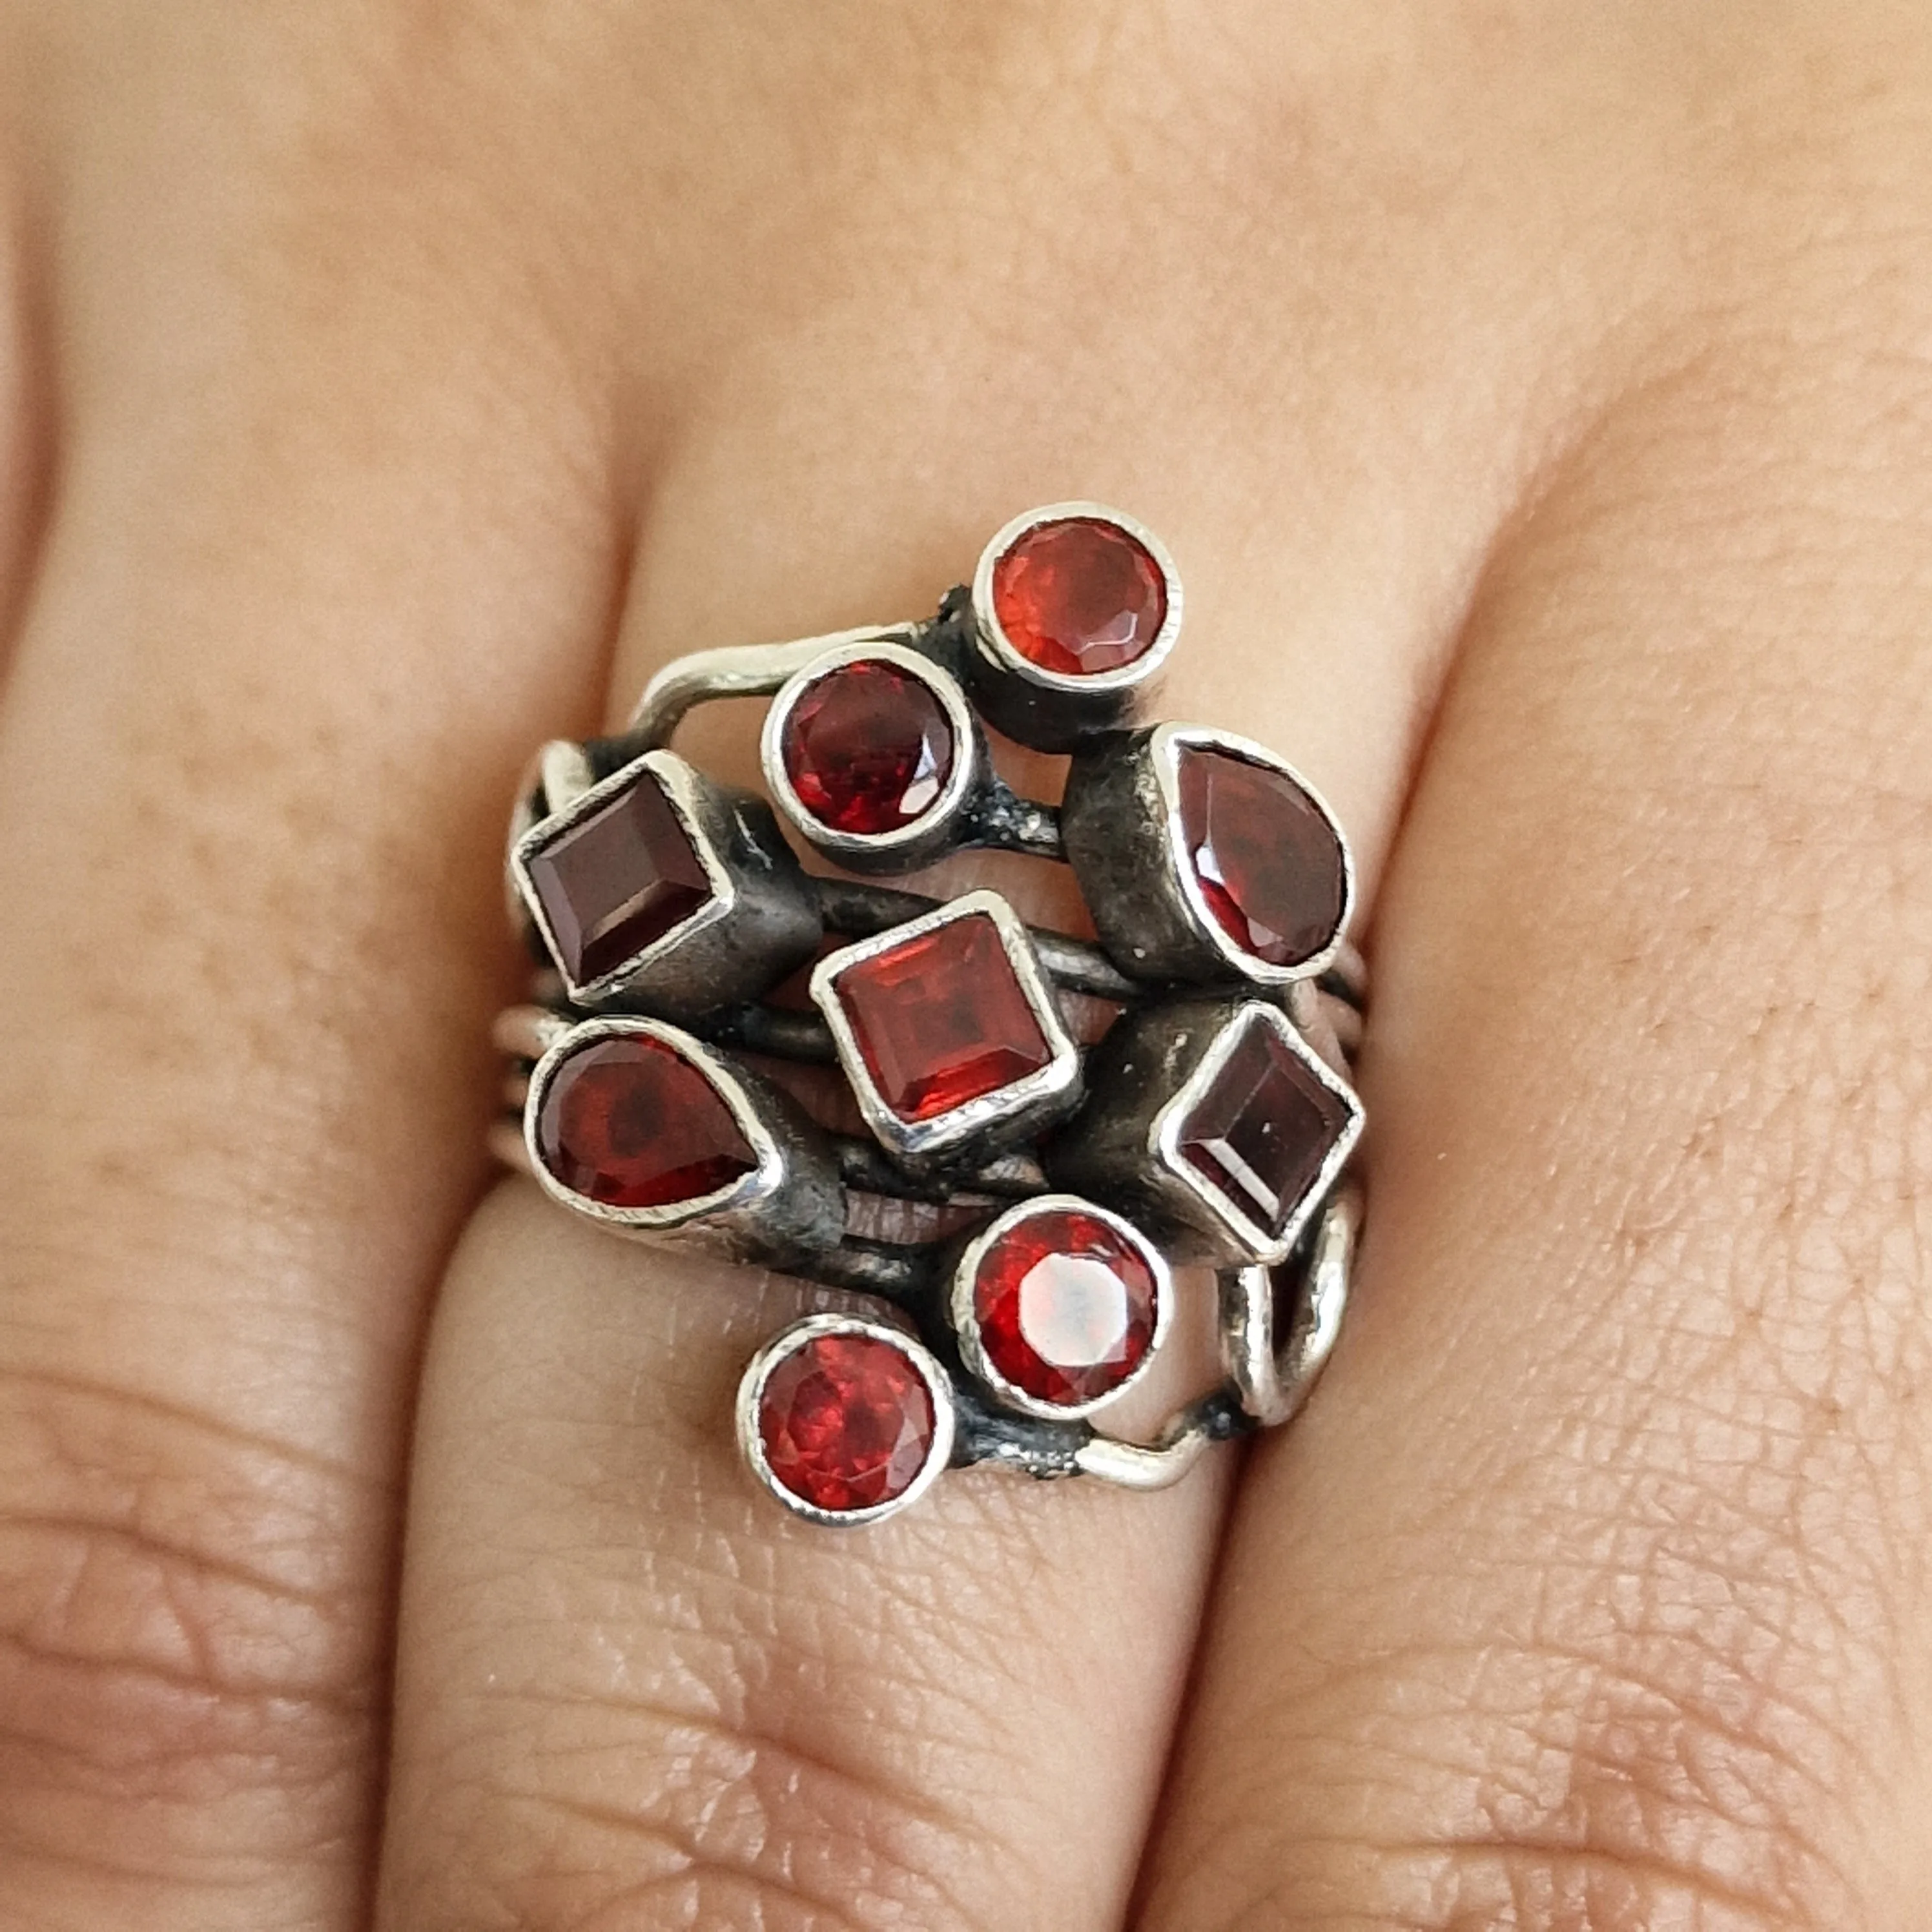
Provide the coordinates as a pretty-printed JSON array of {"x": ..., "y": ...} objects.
[
  {"x": 615, "y": 882},
  {"x": 1079, "y": 596},
  {"x": 1267, "y": 859},
  {"x": 1066, "y": 1305},
  {"x": 846, "y": 1421},
  {"x": 941, "y": 1018},
  {"x": 1261, "y": 1130},
  {"x": 629, "y": 1122},
  {"x": 867, "y": 747}
]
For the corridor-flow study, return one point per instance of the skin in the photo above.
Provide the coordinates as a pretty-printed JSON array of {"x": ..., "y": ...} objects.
[{"x": 1536, "y": 397}]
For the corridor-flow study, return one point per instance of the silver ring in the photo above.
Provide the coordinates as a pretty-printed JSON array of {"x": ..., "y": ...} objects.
[{"x": 1079, "y": 1118}]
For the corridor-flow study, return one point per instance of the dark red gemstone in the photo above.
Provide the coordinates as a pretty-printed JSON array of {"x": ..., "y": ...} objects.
[
  {"x": 628, "y": 1121},
  {"x": 1267, "y": 861},
  {"x": 941, "y": 1018},
  {"x": 1261, "y": 1132},
  {"x": 615, "y": 882},
  {"x": 846, "y": 1422},
  {"x": 867, "y": 747},
  {"x": 1079, "y": 596},
  {"x": 1066, "y": 1305}
]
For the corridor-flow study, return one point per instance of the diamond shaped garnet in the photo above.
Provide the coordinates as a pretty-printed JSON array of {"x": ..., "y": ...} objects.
[
  {"x": 621, "y": 874},
  {"x": 1259, "y": 1131},
  {"x": 947, "y": 1027}
]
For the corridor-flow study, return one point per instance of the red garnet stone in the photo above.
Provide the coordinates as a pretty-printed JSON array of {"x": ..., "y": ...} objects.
[
  {"x": 617, "y": 881},
  {"x": 1261, "y": 1132},
  {"x": 846, "y": 1422},
  {"x": 1066, "y": 1305},
  {"x": 1079, "y": 596},
  {"x": 941, "y": 1018},
  {"x": 629, "y": 1122},
  {"x": 1267, "y": 859},
  {"x": 867, "y": 747}
]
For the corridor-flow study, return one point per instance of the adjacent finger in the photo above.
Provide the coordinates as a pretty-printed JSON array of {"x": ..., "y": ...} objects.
[
  {"x": 302, "y": 599},
  {"x": 1591, "y": 1590}
]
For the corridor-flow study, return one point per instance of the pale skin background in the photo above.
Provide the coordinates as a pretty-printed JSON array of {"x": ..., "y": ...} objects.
[{"x": 1539, "y": 399}]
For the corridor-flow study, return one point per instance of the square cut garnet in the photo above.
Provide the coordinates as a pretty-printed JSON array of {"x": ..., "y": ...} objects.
[
  {"x": 1261, "y": 1132},
  {"x": 941, "y": 1018},
  {"x": 617, "y": 880}
]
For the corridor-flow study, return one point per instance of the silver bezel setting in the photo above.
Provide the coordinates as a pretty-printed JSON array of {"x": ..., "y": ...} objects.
[
  {"x": 1054, "y": 710},
  {"x": 960, "y": 1305},
  {"x": 787, "y": 1342},
  {"x": 985, "y": 1121},
  {"x": 789, "y": 1201},
  {"x": 1223, "y": 1211},
  {"x": 933, "y": 832}
]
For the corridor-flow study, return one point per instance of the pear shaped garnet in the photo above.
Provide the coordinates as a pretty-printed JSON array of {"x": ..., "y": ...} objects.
[
  {"x": 1264, "y": 854},
  {"x": 626, "y": 1120}
]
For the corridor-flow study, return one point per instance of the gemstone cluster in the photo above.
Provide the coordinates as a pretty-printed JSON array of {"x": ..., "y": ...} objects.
[{"x": 1191, "y": 1111}]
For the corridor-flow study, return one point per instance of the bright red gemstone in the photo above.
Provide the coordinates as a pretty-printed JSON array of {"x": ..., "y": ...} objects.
[
  {"x": 1066, "y": 1305},
  {"x": 941, "y": 1018},
  {"x": 628, "y": 1121},
  {"x": 846, "y": 1421},
  {"x": 1267, "y": 859},
  {"x": 1261, "y": 1132},
  {"x": 615, "y": 882},
  {"x": 1079, "y": 596},
  {"x": 867, "y": 747}
]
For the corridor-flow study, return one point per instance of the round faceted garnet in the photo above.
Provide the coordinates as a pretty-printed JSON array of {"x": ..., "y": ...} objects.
[
  {"x": 1079, "y": 596},
  {"x": 628, "y": 1121},
  {"x": 868, "y": 747},
  {"x": 1266, "y": 858},
  {"x": 1066, "y": 1305},
  {"x": 846, "y": 1421}
]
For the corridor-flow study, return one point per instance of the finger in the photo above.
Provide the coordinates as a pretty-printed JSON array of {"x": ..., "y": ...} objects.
[
  {"x": 1591, "y": 1591},
  {"x": 628, "y": 1691},
  {"x": 305, "y": 593},
  {"x": 25, "y": 423}
]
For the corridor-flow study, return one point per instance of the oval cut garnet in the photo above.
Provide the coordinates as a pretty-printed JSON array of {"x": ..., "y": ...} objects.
[
  {"x": 1066, "y": 1305},
  {"x": 867, "y": 747},
  {"x": 1267, "y": 859},
  {"x": 628, "y": 1121},
  {"x": 1079, "y": 596},
  {"x": 846, "y": 1421}
]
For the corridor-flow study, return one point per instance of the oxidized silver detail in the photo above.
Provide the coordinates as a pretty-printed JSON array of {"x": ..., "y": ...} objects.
[{"x": 760, "y": 920}]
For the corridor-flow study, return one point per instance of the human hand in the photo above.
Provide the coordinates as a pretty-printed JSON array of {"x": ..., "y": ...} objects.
[{"x": 1537, "y": 401}]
